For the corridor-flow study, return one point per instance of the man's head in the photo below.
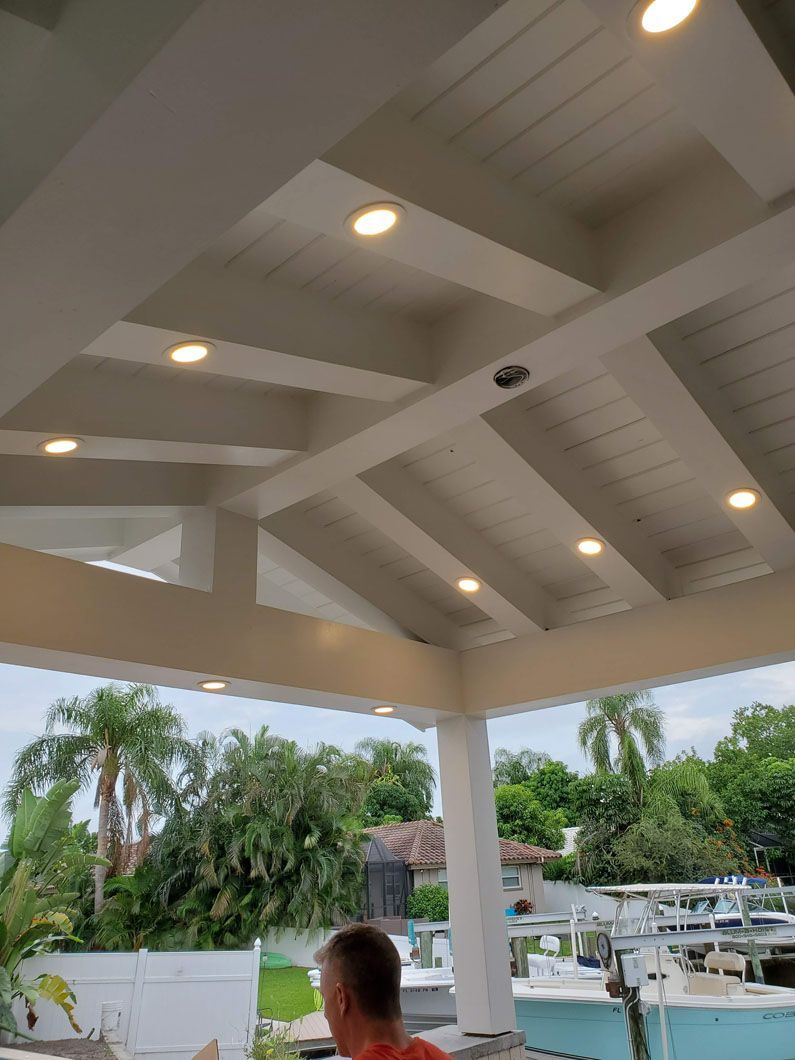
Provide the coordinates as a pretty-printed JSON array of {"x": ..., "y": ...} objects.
[{"x": 359, "y": 981}]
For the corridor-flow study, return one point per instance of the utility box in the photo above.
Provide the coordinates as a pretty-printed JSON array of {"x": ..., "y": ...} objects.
[{"x": 634, "y": 969}]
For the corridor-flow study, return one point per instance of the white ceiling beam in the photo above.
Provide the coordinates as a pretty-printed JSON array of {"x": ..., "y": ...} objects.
[
  {"x": 277, "y": 334},
  {"x": 644, "y": 373},
  {"x": 138, "y": 418},
  {"x": 173, "y": 636},
  {"x": 713, "y": 259},
  {"x": 462, "y": 221},
  {"x": 149, "y": 543},
  {"x": 52, "y": 482},
  {"x": 303, "y": 568},
  {"x": 519, "y": 455},
  {"x": 219, "y": 554},
  {"x": 724, "y": 81},
  {"x": 395, "y": 503},
  {"x": 189, "y": 146},
  {"x": 735, "y": 627},
  {"x": 366, "y": 579},
  {"x": 57, "y": 534}
]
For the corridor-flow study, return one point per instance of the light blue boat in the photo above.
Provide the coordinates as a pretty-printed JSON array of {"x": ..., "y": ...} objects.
[{"x": 593, "y": 1028}]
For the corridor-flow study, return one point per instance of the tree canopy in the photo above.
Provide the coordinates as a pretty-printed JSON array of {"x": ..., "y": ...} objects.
[
  {"x": 406, "y": 763},
  {"x": 515, "y": 767},
  {"x": 521, "y": 816},
  {"x": 622, "y": 733}
]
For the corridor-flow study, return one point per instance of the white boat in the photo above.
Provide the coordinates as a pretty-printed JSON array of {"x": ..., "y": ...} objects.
[{"x": 687, "y": 1011}]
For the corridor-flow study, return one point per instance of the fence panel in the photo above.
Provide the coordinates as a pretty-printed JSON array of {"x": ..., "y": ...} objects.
[{"x": 160, "y": 1006}]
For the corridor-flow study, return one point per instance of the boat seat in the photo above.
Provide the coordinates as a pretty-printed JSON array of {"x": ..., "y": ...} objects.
[
  {"x": 724, "y": 961},
  {"x": 707, "y": 984}
]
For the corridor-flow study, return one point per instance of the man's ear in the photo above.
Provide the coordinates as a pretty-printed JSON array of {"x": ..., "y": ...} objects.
[{"x": 343, "y": 998}]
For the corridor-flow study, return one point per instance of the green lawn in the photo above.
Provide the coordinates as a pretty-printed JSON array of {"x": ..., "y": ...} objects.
[
  {"x": 533, "y": 946},
  {"x": 285, "y": 994}
]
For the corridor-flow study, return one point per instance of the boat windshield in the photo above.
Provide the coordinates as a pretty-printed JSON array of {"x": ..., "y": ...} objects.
[{"x": 722, "y": 905}]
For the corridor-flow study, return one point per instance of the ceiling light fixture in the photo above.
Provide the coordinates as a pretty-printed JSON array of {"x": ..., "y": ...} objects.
[
  {"x": 661, "y": 15},
  {"x": 385, "y": 709},
  {"x": 214, "y": 685},
  {"x": 590, "y": 546},
  {"x": 743, "y": 499},
  {"x": 375, "y": 219},
  {"x": 60, "y": 446},
  {"x": 468, "y": 585},
  {"x": 188, "y": 352}
]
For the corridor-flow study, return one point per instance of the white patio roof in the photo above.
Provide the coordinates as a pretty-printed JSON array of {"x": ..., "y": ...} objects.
[
  {"x": 608, "y": 209},
  {"x": 576, "y": 202}
]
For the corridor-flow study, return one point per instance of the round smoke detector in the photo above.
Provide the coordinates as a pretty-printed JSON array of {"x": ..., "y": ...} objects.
[{"x": 511, "y": 377}]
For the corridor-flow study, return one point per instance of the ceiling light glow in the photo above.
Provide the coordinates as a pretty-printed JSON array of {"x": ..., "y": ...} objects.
[
  {"x": 590, "y": 546},
  {"x": 743, "y": 499},
  {"x": 385, "y": 709},
  {"x": 468, "y": 585},
  {"x": 213, "y": 685},
  {"x": 60, "y": 446},
  {"x": 661, "y": 15},
  {"x": 375, "y": 219},
  {"x": 188, "y": 352}
]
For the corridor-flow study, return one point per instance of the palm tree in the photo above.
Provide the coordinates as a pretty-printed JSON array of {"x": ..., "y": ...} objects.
[
  {"x": 515, "y": 767},
  {"x": 635, "y": 724},
  {"x": 407, "y": 762},
  {"x": 129, "y": 741},
  {"x": 275, "y": 841}
]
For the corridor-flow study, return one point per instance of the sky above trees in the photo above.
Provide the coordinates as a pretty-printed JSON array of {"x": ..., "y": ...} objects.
[{"x": 698, "y": 713}]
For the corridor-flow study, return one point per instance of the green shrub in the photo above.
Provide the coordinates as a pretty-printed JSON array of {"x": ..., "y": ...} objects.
[
  {"x": 564, "y": 868},
  {"x": 429, "y": 902}
]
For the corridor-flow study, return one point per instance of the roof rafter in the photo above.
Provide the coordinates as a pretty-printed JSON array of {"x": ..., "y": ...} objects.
[
  {"x": 719, "y": 73},
  {"x": 183, "y": 421},
  {"x": 366, "y": 579},
  {"x": 520, "y": 456},
  {"x": 390, "y": 499},
  {"x": 649, "y": 379}
]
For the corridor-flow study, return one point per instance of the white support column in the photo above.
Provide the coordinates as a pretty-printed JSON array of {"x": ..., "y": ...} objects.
[
  {"x": 484, "y": 1001},
  {"x": 219, "y": 554}
]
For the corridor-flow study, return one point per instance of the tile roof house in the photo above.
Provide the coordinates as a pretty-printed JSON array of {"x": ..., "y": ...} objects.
[{"x": 420, "y": 844}]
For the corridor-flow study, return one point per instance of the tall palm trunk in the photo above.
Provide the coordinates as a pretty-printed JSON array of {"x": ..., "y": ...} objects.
[{"x": 106, "y": 787}]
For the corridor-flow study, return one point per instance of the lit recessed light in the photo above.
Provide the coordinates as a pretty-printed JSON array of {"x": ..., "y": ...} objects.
[
  {"x": 375, "y": 219},
  {"x": 60, "y": 446},
  {"x": 468, "y": 585},
  {"x": 213, "y": 685},
  {"x": 384, "y": 710},
  {"x": 188, "y": 352},
  {"x": 743, "y": 499},
  {"x": 590, "y": 546},
  {"x": 661, "y": 15}
]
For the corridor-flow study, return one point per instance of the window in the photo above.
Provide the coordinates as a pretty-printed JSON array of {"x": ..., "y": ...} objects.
[
  {"x": 441, "y": 878},
  {"x": 510, "y": 878}
]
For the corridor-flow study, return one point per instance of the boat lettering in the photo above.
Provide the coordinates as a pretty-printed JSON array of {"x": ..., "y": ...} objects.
[
  {"x": 747, "y": 932},
  {"x": 780, "y": 1015}
]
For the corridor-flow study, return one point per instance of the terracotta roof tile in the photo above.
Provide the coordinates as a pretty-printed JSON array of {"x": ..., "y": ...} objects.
[{"x": 422, "y": 843}]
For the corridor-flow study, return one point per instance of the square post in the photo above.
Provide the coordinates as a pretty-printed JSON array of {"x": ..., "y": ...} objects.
[{"x": 484, "y": 1000}]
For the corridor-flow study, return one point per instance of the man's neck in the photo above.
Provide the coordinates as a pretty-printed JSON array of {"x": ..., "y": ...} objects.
[{"x": 379, "y": 1032}]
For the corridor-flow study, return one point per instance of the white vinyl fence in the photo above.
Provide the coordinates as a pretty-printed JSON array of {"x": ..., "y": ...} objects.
[
  {"x": 160, "y": 1005},
  {"x": 299, "y": 946},
  {"x": 559, "y": 897}
]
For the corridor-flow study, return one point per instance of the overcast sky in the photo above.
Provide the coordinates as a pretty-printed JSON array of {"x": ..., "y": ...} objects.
[{"x": 698, "y": 713}]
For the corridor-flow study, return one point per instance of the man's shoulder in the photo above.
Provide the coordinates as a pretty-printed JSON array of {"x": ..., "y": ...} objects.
[{"x": 431, "y": 1051}]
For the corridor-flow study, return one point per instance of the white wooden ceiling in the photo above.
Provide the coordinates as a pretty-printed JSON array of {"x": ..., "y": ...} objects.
[{"x": 573, "y": 203}]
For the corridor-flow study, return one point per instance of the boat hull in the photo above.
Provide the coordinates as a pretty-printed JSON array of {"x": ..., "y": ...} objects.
[{"x": 595, "y": 1030}]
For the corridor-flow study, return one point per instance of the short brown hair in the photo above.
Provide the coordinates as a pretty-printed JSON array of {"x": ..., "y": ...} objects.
[{"x": 369, "y": 965}]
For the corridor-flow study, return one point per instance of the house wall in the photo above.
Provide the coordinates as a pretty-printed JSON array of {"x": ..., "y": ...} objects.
[{"x": 531, "y": 880}]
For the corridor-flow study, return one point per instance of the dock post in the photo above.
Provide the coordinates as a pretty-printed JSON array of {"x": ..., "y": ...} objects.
[
  {"x": 753, "y": 952},
  {"x": 633, "y": 1017},
  {"x": 519, "y": 951},
  {"x": 425, "y": 939}
]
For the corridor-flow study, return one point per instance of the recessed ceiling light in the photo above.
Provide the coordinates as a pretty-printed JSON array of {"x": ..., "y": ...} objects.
[
  {"x": 214, "y": 685},
  {"x": 590, "y": 546},
  {"x": 60, "y": 446},
  {"x": 385, "y": 709},
  {"x": 188, "y": 352},
  {"x": 468, "y": 585},
  {"x": 375, "y": 219},
  {"x": 661, "y": 15},
  {"x": 743, "y": 499}
]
